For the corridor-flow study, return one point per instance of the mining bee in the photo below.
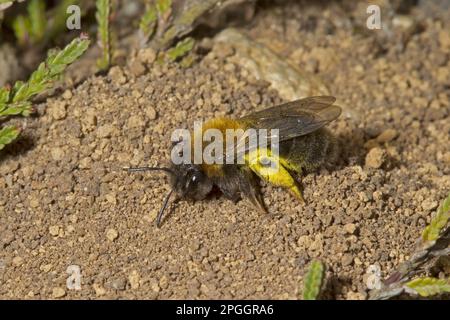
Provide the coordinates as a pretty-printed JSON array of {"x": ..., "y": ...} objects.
[{"x": 304, "y": 145}]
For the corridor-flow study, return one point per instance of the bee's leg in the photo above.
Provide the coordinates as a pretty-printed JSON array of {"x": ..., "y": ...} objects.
[
  {"x": 229, "y": 186},
  {"x": 231, "y": 195},
  {"x": 276, "y": 173},
  {"x": 297, "y": 188},
  {"x": 249, "y": 188},
  {"x": 296, "y": 174}
]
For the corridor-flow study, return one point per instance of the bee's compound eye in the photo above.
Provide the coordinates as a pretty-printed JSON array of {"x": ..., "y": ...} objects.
[{"x": 196, "y": 178}]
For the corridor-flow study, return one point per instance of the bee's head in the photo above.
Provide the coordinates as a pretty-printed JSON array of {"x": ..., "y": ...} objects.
[{"x": 187, "y": 180}]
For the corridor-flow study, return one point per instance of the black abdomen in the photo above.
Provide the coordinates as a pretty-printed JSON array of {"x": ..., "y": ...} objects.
[{"x": 310, "y": 151}]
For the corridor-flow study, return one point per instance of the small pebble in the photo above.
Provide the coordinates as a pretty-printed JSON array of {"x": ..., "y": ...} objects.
[
  {"x": 17, "y": 261},
  {"x": 137, "y": 68},
  {"x": 112, "y": 234},
  {"x": 119, "y": 284},
  {"x": 346, "y": 260},
  {"x": 375, "y": 158},
  {"x": 387, "y": 136},
  {"x": 58, "y": 293},
  {"x": 147, "y": 56},
  {"x": 54, "y": 230},
  {"x": 57, "y": 153},
  {"x": 350, "y": 228},
  {"x": 429, "y": 204},
  {"x": 117, "y": 76},
  {"x": 150, "y": 112},
  {"x": 99, "y": 290}
]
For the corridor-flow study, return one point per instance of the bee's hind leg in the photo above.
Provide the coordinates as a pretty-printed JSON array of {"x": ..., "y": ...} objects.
[
  {"x": 280, "y": 176},
  {"x": 296, "y": 189},
  {"x": 296, "y": 174}
]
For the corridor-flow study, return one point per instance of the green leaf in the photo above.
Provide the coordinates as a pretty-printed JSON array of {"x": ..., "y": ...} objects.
[
  {"x": 313, "y": 282},
  {"x": 23, "y": 108},
  {"x": 103, "y": 38},
  {"x": 429, "y": 286},
  {"x": 5, "y": 1},
  {"x": 38, "y": 21},
  {"x": 181, "y": 49},
  {"x": 8, "y": 135},
  {"x": 147, "y": 24},
  {"x": 438, "y": 222},
  {"x": 21, "y": 28},
  {"x": 163, "y": 6},
  {"x": 184, "y": 21},
  {"x": 187, "y": 61},
  {"x": 48, "y": 71},
  {"x": 4, "y": 96}
]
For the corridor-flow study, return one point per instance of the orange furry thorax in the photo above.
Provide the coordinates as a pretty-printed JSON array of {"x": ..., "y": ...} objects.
[{"x": 222, "y": 124}]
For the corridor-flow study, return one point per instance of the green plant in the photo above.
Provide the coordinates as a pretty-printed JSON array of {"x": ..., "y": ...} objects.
[
  {"x": 17, "y": 100},
  {"x": 163, "y": 7},
  {"x": 38, "y": 21},
  {"x": 160, "y": 26},
  {"x": 147, "y": 24},
  {"x": 433, "y": 244},
  {"x": 181, "y": 49},
  {"x": 103, "y": 35},
  {"x": 156, "y": 16},
  {"x": 21, "y": 27},
  {"x": 7, "y": 1},
  {"x": 7, "y": 135},
  {"x": 314, "y": 280},
  {"x": 155, "y": 21},
  {"x": 426, "y": 287},
  {"x": 39, "y": 26},
  {"x": 31, "y": 28},
  {"x": 438, "y": 222}
]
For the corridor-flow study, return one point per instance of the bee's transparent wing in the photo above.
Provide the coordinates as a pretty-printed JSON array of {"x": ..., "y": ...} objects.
[{"x": 291, "y": 119}]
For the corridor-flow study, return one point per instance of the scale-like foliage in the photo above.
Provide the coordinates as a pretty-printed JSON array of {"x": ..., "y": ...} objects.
[
  {"x": 313, "y": 282},
  {"x": 181, "y": 49},
  {"x": 438, "y": 222},
  {"x": 103, "y": 36},
  {"x": 16, "y": 101},
  {"x": 32, "y": 27},
  {"x": 147, "y": 24},
  {"x": 7, "y": 135},
  {"x": 48, "y": 71},
  {"x": 427, "y": 287}
]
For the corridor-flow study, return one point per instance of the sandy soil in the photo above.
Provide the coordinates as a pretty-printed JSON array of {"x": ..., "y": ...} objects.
[{"x": 65, "y": 201}]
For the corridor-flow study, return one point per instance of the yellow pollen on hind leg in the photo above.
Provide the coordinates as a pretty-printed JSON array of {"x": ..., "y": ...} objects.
[{"x": 272, "y": 169}]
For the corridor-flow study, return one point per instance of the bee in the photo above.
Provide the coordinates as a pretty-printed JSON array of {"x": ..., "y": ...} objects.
[{"x": 304, "y": 145}]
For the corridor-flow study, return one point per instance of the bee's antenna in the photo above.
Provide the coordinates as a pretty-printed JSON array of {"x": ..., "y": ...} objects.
[
  {"x": 166, "y": 199},
  {"x": 161, "y": 211},
  {"x": 139, "y": 169}
]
